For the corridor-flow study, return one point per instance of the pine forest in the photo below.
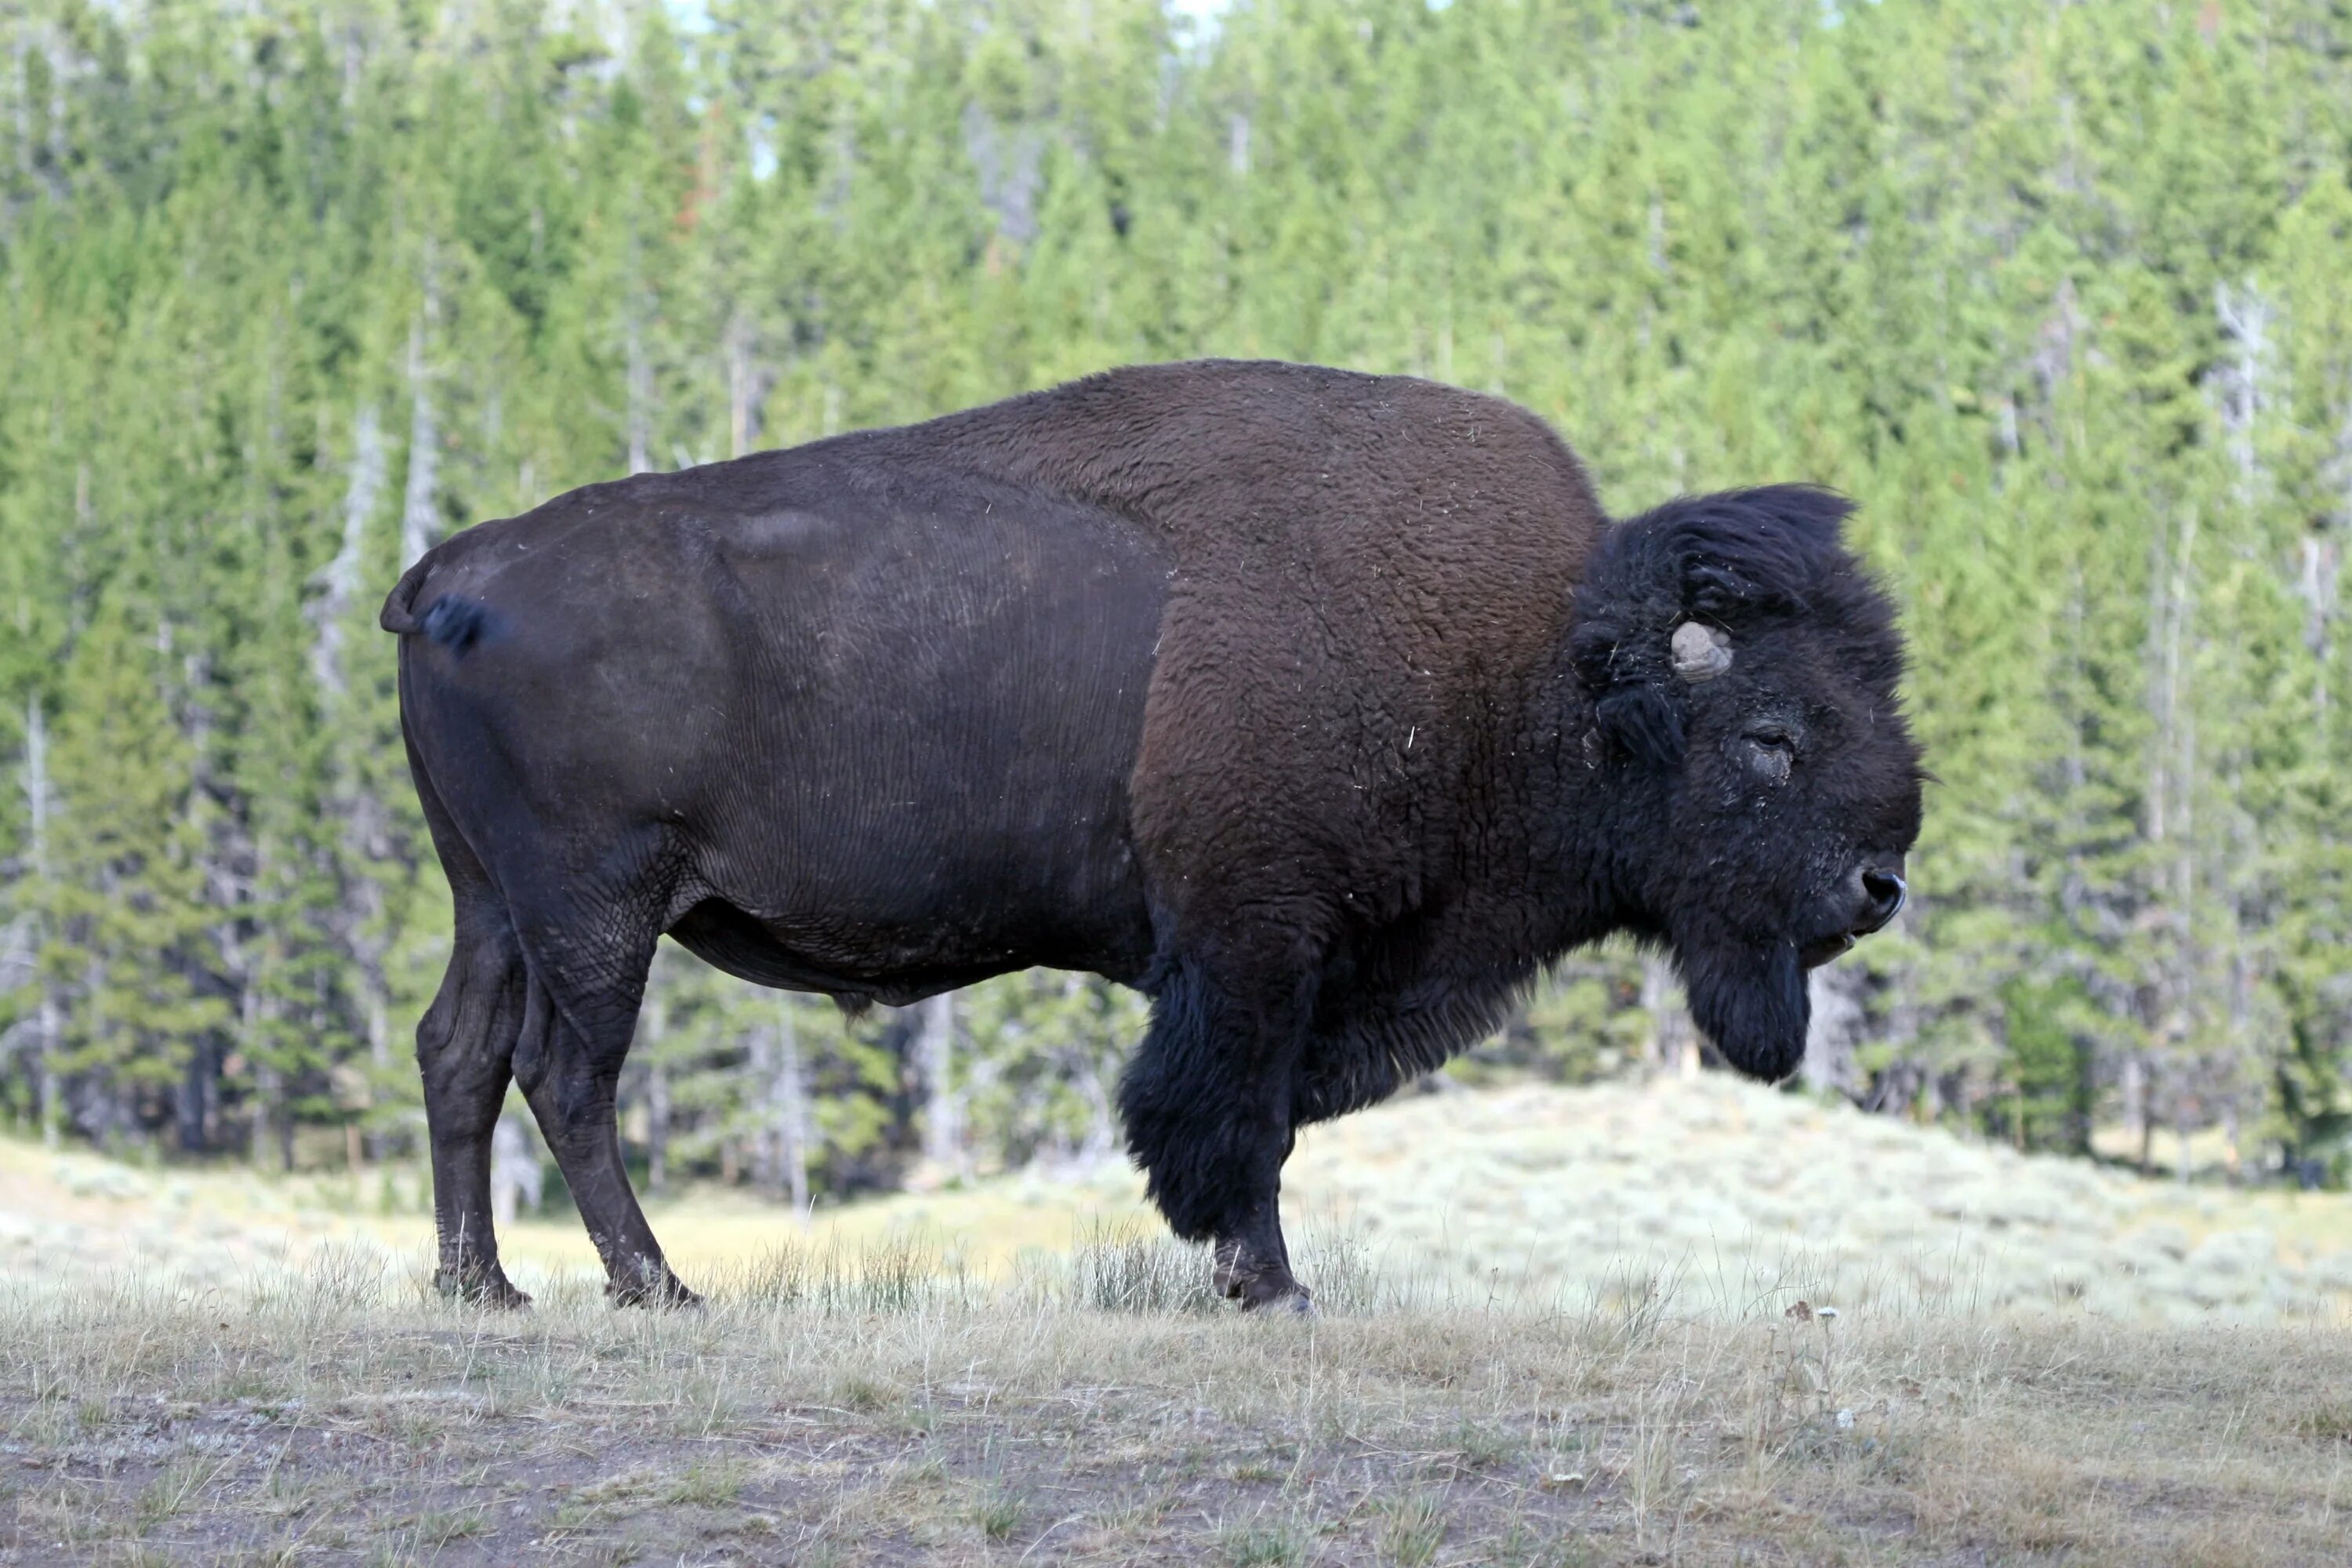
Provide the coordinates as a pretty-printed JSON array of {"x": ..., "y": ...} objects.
[{"x": 2060, "y": 293}]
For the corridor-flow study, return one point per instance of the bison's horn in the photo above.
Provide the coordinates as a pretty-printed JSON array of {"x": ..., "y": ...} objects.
[{"x": 1701, "y": 653}]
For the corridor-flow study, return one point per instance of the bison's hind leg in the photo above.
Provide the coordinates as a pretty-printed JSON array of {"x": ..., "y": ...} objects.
[
  {"x": 1207, "y": 1103},
  {"x": 587, "y": 979},
  {"x": 464, "y": 1046}
]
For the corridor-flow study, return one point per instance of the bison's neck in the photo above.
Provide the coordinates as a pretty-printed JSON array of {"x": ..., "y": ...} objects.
[{"x": 1591, "y": 860}]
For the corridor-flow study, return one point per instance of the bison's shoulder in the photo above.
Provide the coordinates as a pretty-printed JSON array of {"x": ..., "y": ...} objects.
[{"x": 1370, "y": 573}]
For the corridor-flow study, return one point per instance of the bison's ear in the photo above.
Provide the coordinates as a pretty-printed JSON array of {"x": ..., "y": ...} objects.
[
  {"x": 1637, "y": 708},
  {"x": 1642, "y": 720}
]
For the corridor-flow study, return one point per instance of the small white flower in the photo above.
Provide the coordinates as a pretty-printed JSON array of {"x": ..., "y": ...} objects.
[
  {"x": 1828, "y": 1312},
  {"x": 1845, "y": 1420}
]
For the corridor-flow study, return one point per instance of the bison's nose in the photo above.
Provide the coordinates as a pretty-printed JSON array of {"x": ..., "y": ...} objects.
[{"x": 1884, "y": 892}]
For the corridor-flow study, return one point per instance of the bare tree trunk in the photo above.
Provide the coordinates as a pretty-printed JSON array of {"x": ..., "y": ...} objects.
[
  {"x": 639, "y": 371},
  {"x": 746, "y": 387},
  {"x": 791, "y": 1107},
  {"x": 517, "y": 1176},
  {"x": 267, "y": 1098},
  {"x": 1102, "y": 1122},
  {"x": 2171, "y": 990},
  {"x": 272, "y": 1122},
  {"x": 191, "y": 1122},
  {"x": 935, "y": 1060},
  {"x": 2322, "y": 566},
  {"x": 2245, "y": 316},
  {"x": 53, "y": 1087},
  {"x": 339, "y": 581},
  {"x": 765, "y": 1167},
  {"x": 420, "y": 520},
  {"x": 49, "y": 1021},
  {"x": 329, "y": 615},
  {"x": 1670, "y": 1044},
  {"x": 649, "y": 1023},
  {"x": 2137, "y": 1120},
  {"x": 1833, "y": 1034}
]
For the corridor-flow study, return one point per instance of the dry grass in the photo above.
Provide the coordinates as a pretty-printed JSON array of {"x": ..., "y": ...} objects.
[
  {"x": 1514, "y": 1196},
  {"x": 1559, "y": 1331},
  {"x": 861, "y": 1409}
]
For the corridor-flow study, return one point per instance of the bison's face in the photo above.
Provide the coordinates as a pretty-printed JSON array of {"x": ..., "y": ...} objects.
[{"x": 1743, "y": 670}]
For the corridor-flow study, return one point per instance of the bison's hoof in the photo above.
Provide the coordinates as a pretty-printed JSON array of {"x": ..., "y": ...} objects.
[
  {"x": 664, "y": 1293},
  {"x": 478, "y": 1287},
  {"x": 1239, "y": 1277},
  {"x": 1291, "y": 1300}
]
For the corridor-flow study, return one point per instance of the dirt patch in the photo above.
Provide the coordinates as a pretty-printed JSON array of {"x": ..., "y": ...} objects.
[{"x": 327, "y": 1427}]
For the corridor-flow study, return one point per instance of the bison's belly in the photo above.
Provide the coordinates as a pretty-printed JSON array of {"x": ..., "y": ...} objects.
[
  {"x": 929, "y": 781},
  {"x": 883, "y": 893}
]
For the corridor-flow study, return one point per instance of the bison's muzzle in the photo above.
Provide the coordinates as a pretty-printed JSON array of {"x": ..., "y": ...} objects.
[{"x": 1881, "y": 894}]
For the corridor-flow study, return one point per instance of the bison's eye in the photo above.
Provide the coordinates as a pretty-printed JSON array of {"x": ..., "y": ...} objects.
[{"x": 1770, "y": 750}]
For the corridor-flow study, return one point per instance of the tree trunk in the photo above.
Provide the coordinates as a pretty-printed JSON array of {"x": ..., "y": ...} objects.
[
  {"x": 639, "y": 371},
  {"x": 2134, "y": 1091},
  {"x": 2083, "y": 1110},
  {"x": 765, "y": 1167},
  {"x": 657, "y": 1126},
  {"x": 1833, "y": 1034},
  {"x": 420, "y": 518},
  {"x": 1669, "y": 1044},
  {"x": 745, "y": 387},
  {"x": 935, "y": 1060},
  {"x": 192, "y": 1122},
  {"x": 53, "y": 1087},
  {"x": 47, "y": 1041},
  {"x": 791, "y": 1107},
  {"x": 341, "y": 581},
  {"x": 2170, "y": 991}
]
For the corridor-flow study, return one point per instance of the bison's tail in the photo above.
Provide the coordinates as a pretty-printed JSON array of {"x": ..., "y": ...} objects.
[
  {"x": 453, "y": 621},
  {"x": 399, "y": 614}
]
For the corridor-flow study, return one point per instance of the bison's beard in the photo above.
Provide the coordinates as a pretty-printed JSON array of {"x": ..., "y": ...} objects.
[{"x": 1751, "y": 1003}]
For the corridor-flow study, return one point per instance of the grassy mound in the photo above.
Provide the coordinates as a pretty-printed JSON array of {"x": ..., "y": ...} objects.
[
  {"x": 1742, "y": 1194},
  {"x": 1724, "y": 1196}
]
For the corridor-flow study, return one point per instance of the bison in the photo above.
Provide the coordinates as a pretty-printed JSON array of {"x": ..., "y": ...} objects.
[{"x": 1324, "y": 709}]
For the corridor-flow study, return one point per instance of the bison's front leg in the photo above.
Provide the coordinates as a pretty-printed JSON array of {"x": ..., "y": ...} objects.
[{"x": 1207, "y": 1106}]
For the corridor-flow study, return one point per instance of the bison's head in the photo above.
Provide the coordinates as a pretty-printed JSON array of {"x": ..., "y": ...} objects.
[{"x": 1742, "y": 669}]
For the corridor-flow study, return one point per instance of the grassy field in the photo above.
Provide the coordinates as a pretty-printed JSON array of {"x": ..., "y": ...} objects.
[
  {"x": 863, "y": 1419},
  {"x": 1561, "y": 1328},
  {"x": 1528, "y": 1197}
]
